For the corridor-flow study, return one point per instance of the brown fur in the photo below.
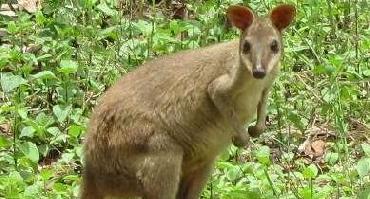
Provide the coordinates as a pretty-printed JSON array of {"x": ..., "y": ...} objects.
[{"x": 157, "y": 132}]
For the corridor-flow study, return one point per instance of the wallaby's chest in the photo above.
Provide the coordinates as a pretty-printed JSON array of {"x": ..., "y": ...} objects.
[{"x": 246, "y": 100}]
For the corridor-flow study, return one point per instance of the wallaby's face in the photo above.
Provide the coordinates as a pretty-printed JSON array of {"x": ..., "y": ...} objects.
[
  {"x": 260, "y": 42},
  {"x": 260, "y": 48}
]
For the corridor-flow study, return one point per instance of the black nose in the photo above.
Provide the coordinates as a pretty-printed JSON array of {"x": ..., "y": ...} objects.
[{"x": 259, "y": 73}]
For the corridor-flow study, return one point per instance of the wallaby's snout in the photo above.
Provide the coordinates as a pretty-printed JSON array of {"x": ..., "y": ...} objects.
[{"x": 258, "y": 72}]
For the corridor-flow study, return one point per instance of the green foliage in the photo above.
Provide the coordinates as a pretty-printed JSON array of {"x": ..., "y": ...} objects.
[{"x": 54, "y": 64}]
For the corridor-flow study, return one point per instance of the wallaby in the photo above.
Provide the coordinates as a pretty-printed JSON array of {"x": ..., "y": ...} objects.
[{"x": 157, "y": 132}]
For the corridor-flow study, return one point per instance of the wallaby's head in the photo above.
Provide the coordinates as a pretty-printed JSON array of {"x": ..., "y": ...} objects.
[{"x": 260, "y": 42}]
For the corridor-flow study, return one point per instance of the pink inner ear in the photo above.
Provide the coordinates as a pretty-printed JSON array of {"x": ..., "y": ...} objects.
[
  {"x": 282, "y": 16},
  {"x": 241, "y": 17}
]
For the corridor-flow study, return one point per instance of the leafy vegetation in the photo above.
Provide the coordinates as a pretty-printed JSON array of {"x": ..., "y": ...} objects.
[{"x": 55, "y": 63}]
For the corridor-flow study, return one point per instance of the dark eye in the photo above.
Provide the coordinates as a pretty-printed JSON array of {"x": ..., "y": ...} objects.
[
  {"x": 246, "y": 47},
  {"x": 274, "y": 46}
]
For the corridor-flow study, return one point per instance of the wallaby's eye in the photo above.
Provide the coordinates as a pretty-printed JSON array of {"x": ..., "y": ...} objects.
[
  {"x": 274, "y": 46},
  {"x": 246, "y": 47}
]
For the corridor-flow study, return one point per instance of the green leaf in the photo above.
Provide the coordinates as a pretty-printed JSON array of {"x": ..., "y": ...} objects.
[
  {"x": 233, "y": 173},
  {"x": 366, "y": 148},
  {"x": 45, "y": 75},
  {"x": 366, "y": 73},
  {"x": 44, "y": 57},
  {"x": 44, "y": 120},
  {"x": 75, "y": 130},
  {"x": 68, "y": 66},
  {"x": 298, "y": 48},
  {"x": 263, "y": 155},
  {"x": 363, "y": 167},
  {"x": 12, "y": 27},
  {"x": 71, "y": 178},
  {"x": 296, "y": 120},
  {"x": 61, "y": 113},
  {"x": 305, "y": 192},
  {"x": 40, "y": 18},
  {"x": 76, "y": 116},
  {"x": 79, "y": 150},
  {"x": 103, "y": 7},
  {"x": 4, "y": 142},
  {"x": 111, "y": 31},
  {"x": 43, "y": 149},
  {"x": 144, "y": 27},
  {"x": 22, "y": 112},
  {"x": 67, "y": 157},
  {"x": 331, "y": 158},
  {"x": 60, "y": 188},
  {"x": 324, "y": 69},
  {"x": 54, "y": 131},
  {"x": 224, "y": 165},
  {"x": 365, "y": 194},
  {"x": 9, "y": 82},
  {"x": 336, "y": 61},
  {"x": 310, "y": 171},
  {"x": 58, "y": 136},
  {"x": 27, "y": 131},
  {"x": 128, "y": 47},
  {"x": 88, "y": 3},
  {"x": 30, "y": 150},
  {"x": 46, "y": 173},
  {"x": 32, "y": 191}
]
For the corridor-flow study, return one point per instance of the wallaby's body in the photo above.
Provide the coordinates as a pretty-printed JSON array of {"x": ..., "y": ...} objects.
[{"x": 157, "y": 132}]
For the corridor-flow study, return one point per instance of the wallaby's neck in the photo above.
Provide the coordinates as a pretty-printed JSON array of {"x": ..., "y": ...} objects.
[{"x": 243, "y": 79}]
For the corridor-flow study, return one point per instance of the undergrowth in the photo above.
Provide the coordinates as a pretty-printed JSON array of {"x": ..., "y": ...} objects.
[{"x": 56, "y": 63}]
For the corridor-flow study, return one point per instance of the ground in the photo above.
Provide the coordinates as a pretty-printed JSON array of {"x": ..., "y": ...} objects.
[{"x": 57, "y": 61}]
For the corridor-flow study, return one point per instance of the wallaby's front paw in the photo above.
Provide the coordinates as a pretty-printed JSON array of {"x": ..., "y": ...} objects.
[
  {"x": 241, "y": 140},
  {"x": 255, "y": 131}
]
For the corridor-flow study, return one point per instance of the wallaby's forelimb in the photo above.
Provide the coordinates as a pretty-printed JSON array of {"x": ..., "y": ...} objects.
[
  {"x": 219, "y": 93},
  {"x": 260, "y": 126},
  {"x": 192, "y": 184}
]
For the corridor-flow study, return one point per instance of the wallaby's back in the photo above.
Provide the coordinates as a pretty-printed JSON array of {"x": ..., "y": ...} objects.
[{"x": 168, "y": 93}]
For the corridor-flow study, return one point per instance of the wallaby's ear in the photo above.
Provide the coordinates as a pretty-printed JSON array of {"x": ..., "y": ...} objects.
[
  {"x": 282, "y": 15},
  {"x": 240, "y": 16}
]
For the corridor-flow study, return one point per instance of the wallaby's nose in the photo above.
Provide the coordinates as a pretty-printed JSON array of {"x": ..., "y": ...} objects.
[{"x": 259, "y": 73}]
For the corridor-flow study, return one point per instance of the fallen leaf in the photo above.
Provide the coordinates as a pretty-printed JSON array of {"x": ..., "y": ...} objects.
[
  {"x": 30, "y": 6},
  {"x": 318, "y": 148},
  {"x": 5, "y": 128}
]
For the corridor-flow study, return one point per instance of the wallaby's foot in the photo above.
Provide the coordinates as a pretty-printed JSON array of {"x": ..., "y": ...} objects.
[
  {"x": 241, "y": 140},
  {"x": 255, "y": 131}
]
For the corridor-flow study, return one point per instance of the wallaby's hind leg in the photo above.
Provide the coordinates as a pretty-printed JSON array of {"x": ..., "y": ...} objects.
[
  {"x": 193, "y": 183},
  {"x": 159, "y": 175},
  {"x": 89, "y": 190}
]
